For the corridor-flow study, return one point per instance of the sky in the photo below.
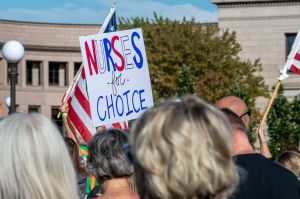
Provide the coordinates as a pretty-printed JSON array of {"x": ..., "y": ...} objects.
[{"x": 94, "y": 11}]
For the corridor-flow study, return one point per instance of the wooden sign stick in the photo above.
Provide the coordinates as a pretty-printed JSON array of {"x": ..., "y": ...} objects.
[{"x": 270, "y": 103}]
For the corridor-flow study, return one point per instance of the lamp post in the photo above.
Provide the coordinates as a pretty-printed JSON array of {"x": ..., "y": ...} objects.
[{"x": 13, "y": 52}]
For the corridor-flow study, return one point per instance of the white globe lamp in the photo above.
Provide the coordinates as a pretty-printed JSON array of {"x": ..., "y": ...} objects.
[{"x": 13, "y": 52}]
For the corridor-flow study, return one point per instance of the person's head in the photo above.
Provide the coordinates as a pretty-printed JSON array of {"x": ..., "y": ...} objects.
[
  {"x": 290, "y": 160},
  {"x": 240, "y": 141},
  {"x": 106, "y": 159},
  {"x": 74, "y": 153},
  {"x": 182, "y": 150},
  {"x": 35, "y": 161},
  {"x": 237, "y": 105}
]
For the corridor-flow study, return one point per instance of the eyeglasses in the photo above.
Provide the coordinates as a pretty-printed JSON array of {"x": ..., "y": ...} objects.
[{"x": 246, "y": 113}]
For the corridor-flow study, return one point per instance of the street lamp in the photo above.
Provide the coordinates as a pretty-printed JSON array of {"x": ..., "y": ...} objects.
[{"x": 13, "y": 52}]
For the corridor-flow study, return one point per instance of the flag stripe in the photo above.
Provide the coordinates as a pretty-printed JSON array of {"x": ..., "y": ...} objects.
[
  {"x": 82, "y": 100},
  {"x": 82, "y": 86},
  {"x": 79, "y": 124},
  {"x": 83, "y": 115},
  {"x": 297, "y": 57},
  {"x": 295, "y": 69},
  {"x": 74, "y": 131},
  {"x": 83, "y": 74},
  {"x": 119, "y": 126}
]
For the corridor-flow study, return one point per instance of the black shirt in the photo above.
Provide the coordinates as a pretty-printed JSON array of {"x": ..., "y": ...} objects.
[{"x": 262, "y": 178}]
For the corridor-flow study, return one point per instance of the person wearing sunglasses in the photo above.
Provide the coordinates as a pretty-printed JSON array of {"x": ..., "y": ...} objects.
[{"x": 240, "y": 108}]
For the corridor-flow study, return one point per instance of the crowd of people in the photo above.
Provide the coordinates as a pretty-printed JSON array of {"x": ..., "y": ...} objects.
[{"x": 185, "y": 148}]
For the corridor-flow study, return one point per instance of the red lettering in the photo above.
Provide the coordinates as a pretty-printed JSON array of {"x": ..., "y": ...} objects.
[
  {"x": 92, "y": 60},
  {"x": 119, "y": 68}
]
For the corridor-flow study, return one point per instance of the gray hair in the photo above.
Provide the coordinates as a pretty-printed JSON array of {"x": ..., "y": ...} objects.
[
  {"x": 183, "y": 150},
  {"x": 35, "y": 161},
  {"x": 106, "y": 159}
]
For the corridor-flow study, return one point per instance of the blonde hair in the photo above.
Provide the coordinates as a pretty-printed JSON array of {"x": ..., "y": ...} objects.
[
  {"x": 35, "y": 162},
  {"x": 182, "y": 150},
  {"x": 291, "y": 161}
]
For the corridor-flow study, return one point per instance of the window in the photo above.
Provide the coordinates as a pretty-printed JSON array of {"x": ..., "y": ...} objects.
[
  {"x": 57, "y": 74},
  {"x": 57, "y": 121},
  {"x": 34, "y": 109},
  {"x": 290, "y": 38},
  {"x": 33, "y": 73},
  {"x": 76, "y": 67}
]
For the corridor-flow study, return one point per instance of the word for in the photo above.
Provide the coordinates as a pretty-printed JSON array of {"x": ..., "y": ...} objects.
[
  {"x": 126, "y": 104},
  {"x": 100, "y": 57}
]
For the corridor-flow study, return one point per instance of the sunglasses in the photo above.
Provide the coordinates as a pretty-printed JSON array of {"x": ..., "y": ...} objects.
[{"x": 246, "y": 113}]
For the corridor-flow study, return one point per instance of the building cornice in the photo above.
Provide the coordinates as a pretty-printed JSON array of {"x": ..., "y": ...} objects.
[
  {"x": 287, "y": 17},
  {"x": 254, "y": 3},
  {"x": 48, "y": 48},
  {"x": 47, "y": 23}
]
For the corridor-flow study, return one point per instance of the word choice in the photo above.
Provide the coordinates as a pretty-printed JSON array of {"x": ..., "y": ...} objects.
[{"x": 127, "y": 103}]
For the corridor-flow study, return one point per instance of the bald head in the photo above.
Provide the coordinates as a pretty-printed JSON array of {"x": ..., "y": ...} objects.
[{"x": 236, "y": 105}]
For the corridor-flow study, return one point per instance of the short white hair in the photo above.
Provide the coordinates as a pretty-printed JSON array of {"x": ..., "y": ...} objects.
[{"x": 34, "y": 159}]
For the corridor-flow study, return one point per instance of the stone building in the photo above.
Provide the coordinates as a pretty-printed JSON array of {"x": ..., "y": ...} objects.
[
  {"x": 266, "y": 30},
  {"x": 52, "y": 58}
]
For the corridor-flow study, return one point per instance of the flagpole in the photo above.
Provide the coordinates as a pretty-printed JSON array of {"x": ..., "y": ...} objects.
[
  {"x": 75, "y": 79},
  {"x": 270, "y": 103}
]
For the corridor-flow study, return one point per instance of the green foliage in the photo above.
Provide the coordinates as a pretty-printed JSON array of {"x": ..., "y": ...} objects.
[
  {"x": 187, "y": 57},
  {"x": 284, "y": 124},
  {"x": 185, "y": 83}
]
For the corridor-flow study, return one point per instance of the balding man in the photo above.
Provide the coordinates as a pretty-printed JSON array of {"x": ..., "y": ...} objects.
[
  {"x": 240, "y": 108},
  {"x": 236, "y": 105},
  {"x": 260, "y": 178}
]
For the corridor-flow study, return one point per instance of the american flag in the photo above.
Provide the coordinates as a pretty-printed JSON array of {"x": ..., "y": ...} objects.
[
  {"x": 79, "y": 114},
  {"x": 295, "y": 64},
  {"x": 293, "y": 60}
]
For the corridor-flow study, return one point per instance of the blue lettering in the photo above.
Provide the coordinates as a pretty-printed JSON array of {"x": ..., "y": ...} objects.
[
  {"x": 110, "y": 106},
  {"x": 142, "y": 99},
  {"x": 109, "y": 59},
  {"x": 101, "y": 118},
  {"x": 119, "y": 97},
  {"x": 136, "y": 110},
  {"x": 139, "y": 65},
  {"x": 128, "y": 109}
]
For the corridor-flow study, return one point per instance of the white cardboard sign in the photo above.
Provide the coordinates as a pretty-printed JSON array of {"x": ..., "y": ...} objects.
[{"x": 117, "y": 74}]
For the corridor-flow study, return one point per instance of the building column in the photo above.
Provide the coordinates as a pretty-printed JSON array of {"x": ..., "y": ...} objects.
[
  {"x": 62, "y": 75},
  {"x": 45, "y": 72},
  {"x": 35, "y": 74},
  {"x": 70, "y": 72},
  {"x": 46, "y": 110},
  {"x": 22, "y": 73},
  {"x": 3, "y": 72}
]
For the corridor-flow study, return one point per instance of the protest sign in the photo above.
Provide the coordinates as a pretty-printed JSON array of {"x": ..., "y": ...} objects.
[{"x": 117, "y": 75}]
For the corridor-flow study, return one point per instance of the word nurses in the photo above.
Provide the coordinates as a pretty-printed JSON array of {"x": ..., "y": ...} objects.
[{"x": 114, "y": 54}]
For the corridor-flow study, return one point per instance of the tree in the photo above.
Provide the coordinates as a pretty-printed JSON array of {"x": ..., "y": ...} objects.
[
  {"x": 186, "y": 57},
  {"x": 284, "y": 124}
]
